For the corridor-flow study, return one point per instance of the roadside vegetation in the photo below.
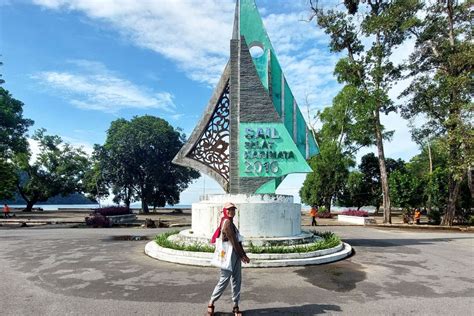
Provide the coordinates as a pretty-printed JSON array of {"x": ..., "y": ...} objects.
[{"x": 437, "y": 103}]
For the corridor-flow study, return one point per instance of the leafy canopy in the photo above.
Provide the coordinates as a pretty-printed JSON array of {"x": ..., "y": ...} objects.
[
  {"x": 136, "y": 161},
  {"x": 59, "y": 168}
]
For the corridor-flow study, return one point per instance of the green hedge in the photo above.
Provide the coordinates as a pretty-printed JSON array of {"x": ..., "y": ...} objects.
[{"x": 330, "y": 240}]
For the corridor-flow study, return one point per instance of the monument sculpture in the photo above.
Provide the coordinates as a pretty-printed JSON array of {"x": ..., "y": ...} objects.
[{"x": 251, "y": 135}]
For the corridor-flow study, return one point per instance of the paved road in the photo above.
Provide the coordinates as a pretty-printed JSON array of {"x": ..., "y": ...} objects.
[{"x": 93, "y": 272}]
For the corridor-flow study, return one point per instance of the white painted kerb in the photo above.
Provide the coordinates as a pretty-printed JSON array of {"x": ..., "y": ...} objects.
[
  {"x": 203, "y": 259},
  {"x": 359, "y": 220}
]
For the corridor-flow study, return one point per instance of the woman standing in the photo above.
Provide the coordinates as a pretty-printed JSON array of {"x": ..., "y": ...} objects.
[{"x": 229, "y": 233}]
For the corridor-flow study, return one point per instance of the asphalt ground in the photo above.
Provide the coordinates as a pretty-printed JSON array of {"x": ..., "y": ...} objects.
[{"x": 101, "y": 272}]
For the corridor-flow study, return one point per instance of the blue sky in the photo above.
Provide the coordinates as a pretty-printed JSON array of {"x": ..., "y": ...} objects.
[{"x": 80, "y": 64}]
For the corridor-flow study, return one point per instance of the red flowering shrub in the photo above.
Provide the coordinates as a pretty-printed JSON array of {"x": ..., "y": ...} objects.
[
  {"x": 97, "y": 220},
  {"x": 324, "y": 213},
  {"x": 360, "y": 213},
  {"x": 113, "y": 210}
]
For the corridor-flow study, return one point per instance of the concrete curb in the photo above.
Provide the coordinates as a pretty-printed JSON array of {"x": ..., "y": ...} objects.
[{"x": 153, "y": 250}]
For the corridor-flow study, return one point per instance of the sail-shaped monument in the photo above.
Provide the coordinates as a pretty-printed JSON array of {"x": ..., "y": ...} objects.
[{"x": 251, "y": 135}]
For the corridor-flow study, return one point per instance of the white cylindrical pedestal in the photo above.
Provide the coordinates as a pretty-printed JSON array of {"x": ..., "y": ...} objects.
[{"x": 257, "y": 216}]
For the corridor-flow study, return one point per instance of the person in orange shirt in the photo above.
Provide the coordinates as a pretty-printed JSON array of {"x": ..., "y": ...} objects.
[
  {"x": 417, "y": 216},
  {"x": 313, "y": 213},
  {"x": 6, "y": 210}
]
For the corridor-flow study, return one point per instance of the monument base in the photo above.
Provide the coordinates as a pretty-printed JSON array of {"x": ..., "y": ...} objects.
[
  {"x": 258, "y": 216},
  {"x": 187, "y": 237},
  {"x": 263, "y": 220}
]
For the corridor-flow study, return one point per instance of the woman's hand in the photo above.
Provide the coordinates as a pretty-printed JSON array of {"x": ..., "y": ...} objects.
[{"x": 245, "y": 259}]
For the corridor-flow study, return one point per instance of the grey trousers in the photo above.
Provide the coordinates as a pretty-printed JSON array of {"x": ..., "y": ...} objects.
[{"x": 235, "y": 276}]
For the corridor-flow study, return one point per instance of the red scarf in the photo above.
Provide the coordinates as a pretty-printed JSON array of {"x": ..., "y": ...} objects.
[{"x": 217, "y": 233}]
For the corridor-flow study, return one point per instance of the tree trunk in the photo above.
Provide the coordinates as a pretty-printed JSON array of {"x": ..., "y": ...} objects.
[
  {"x": 29, "y": 206},
  {"x": 454, "y": 117},
  {"x": 23, "y": 195},
  {"x": 431, "y": 174},
  {"x": 469, "y": 180},
  {"x": 454, "y": 187},
  {"x": 377, "y": 209},
  {"x": 145, "y": 209},
  {"x": 387, "y": 218},
  {"x": 327, "y": 205}
]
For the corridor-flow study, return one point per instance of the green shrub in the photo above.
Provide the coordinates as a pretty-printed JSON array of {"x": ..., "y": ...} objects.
[
  {"x": 162, "y": 240},
  {"x": 434, "y": 217},
  {"x": 471, "y": 220},
  {"x": 330, "y": 240}
]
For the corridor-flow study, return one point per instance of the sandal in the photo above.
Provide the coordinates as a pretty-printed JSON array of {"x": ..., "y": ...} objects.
[
  {"x": 210, "y": 310},
  {"x": 236, "y": 311}
]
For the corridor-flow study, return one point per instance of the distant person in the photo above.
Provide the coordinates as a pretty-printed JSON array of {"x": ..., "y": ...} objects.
[
  {"x": 417, "y": 216},
  {"x": 313, "y": 213},
  {"x": 231, "y": 234},
  {"x": 6, "y": 210}
]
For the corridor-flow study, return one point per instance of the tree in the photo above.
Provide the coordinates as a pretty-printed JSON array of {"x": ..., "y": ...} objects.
[
  {"x": 433, "y": 155},
  {"x": 368, "y": 73},
  {"x": 356, "y": 192},
  {"x": 330, "y": 171},
  {"x": 369, "y": 167},
  {"x": 406, "y": 189},
  {"x": 1, "y": 80},
  {"x": 441, "y": 91},
  {"x": 58, "y": 169},
  {"x": 8, "y": 179},
  {"x": 94, "y": 183},
  {"x": 136, "y": 161},
  {"x": 13, "y": 128},
  {"x": 331, "y": 166},
  {"x": 436, "y": 179}
]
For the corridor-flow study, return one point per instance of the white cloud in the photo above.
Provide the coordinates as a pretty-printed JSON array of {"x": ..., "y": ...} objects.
[
  {"x": 196, "y": 38},
  {"x": 193, "y": 34},
  {"x": 176, "y": 117},
  {"x": 94, "y": 87},
  {"x": 87, "y": 147},
  {"x": 302, "y": 49}
]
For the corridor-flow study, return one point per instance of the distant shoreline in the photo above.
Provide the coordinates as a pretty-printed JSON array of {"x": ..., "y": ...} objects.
[{"x": 84, "y": 207}]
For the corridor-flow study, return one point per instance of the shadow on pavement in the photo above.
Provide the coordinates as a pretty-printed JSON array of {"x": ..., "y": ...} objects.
[
  {"x": 398, "y": 242},
  {"x": 309, "y": 309}
]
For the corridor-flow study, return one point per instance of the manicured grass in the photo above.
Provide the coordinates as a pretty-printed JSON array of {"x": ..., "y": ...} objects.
[
  {"x": 163, "y": 241},
  {"x": 330, "y": 240}
]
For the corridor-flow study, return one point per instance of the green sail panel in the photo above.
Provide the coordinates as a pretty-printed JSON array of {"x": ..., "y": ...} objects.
[
  {"x": 289, "y": 108},
  {"x": 269, "y": 71},
  {"x": 301, "y": 133},
  {"x": 276, "y": 76}
]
